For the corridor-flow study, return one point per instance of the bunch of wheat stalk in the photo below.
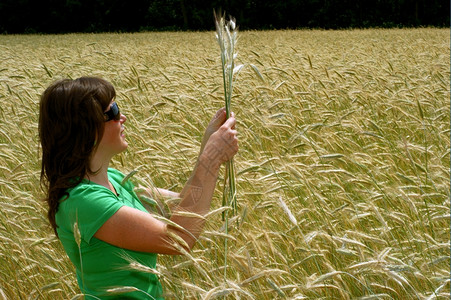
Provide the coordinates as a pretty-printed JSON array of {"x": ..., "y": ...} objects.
[{"x": 227, "y": 35}]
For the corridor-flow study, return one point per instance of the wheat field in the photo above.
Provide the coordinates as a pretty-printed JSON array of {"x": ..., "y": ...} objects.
[{"x": 343, "y": 173}]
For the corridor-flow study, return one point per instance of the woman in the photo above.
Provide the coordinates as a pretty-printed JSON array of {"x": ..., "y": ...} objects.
[{"x": 101, "y": 223}]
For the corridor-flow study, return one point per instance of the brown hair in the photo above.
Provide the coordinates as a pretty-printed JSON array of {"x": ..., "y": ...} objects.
[{"x": 71, "y": 121}]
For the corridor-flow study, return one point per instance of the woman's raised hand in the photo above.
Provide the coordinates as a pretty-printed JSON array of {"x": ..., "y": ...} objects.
[
  {"x": 218, "y": 119},
  {"x": 222, "y": 144}
]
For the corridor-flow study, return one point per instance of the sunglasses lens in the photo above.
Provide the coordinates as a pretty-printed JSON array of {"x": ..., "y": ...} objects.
[
  {"x": 113, "y": 113},
  {"x": 116, "y": 112}
]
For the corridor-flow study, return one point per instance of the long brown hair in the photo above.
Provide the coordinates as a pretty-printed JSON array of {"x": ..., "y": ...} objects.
[{"x": 71, "y": 121}]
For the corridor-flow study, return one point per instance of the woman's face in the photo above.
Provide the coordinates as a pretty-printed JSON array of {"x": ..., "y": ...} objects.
[{"x": 113, "y": 139}]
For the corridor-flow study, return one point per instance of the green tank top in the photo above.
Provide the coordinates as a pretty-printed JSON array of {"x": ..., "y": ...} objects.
[{"x": 103, "y": 270}]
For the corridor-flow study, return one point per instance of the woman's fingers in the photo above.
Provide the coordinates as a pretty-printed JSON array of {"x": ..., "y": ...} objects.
[
  {"x": 218, "y": 119},
  {"x": 216, "y": 122},
  {"x": 228, "y": 139},
  {"x": 230, "y": 122}
]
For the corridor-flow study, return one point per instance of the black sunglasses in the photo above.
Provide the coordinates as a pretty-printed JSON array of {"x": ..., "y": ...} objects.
[{"x": 113, "y": 113}]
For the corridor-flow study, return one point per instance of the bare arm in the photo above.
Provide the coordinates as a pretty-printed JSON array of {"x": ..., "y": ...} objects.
[
  {"x": 163, "y": 198},
  {"x": 132, "y": 229},
  {"x": 157, "y": 193}
]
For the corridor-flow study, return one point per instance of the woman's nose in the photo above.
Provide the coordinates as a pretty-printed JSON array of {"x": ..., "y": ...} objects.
[{"x": 123, "y": 118}]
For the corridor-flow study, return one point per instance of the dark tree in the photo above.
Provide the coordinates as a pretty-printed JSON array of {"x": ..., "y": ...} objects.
[{"x": 59, "y": 16}]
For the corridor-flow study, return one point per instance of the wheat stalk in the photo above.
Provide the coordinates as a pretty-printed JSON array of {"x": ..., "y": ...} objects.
[{"x": 227, "y": 36}]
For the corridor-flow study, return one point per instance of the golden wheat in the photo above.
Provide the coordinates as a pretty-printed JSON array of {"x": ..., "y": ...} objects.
[{"x": 343, "y": 165}]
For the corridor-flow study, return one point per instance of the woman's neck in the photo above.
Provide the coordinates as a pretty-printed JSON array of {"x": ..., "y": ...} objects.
[
  {"x": 100, "y": 177},
  {"x": 100, "y": 167}
]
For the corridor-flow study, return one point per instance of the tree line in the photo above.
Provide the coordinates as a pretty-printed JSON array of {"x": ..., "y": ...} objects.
[{"x": 63, "y": 16}]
